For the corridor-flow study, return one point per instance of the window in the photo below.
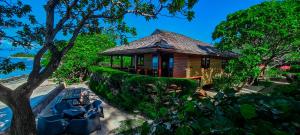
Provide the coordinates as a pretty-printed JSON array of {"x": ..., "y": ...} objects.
[
  {"x": 140, "y": 60},
  {"x": 224, "y": 63},
  {"x": 205, "y": 61},
  {"x": 154, "y": 62},
  {"x": 171, "y": 62}
]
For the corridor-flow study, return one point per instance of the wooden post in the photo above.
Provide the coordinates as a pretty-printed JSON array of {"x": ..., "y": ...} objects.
[
  {"x": 135, "y": 63},
  {"x": 111, "y": 61},
  {"x": 121, "y": 62},
  {"x": 159, "y": 65}
]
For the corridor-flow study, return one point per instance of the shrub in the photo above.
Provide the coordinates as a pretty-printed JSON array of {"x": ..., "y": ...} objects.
[
  {"x": 75, "y": 63},
  {"x": 138, "y": 92},
  {"x": 227, "y": 114}
]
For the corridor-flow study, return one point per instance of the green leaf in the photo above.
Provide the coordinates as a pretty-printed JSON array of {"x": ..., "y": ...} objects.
[
  {"x": 184, "y": 130},
  {"x": 248, "y": 111}
]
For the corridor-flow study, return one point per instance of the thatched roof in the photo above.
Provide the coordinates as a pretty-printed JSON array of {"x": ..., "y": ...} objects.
[{"x": 165, "y": 41}]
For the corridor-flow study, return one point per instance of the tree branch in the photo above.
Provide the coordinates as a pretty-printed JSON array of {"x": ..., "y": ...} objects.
[
  {"x": 76, "y": 33},
  {"x": 62, "y": 21},
  {"x": 49, "y": 25},
  {"x": 37, "y": 64}
]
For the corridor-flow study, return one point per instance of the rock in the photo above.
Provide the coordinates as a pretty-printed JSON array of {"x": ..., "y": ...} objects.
[{"x": 202, "y": 93}]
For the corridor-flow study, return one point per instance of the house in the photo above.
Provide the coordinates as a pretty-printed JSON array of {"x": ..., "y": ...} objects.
[{"x": 169, "y": 54}]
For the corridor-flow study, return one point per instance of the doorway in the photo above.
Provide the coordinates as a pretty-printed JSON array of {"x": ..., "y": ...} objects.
[{"x": 167, "y": 64}]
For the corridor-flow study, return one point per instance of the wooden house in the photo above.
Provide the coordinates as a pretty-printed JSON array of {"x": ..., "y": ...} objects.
[{"x": 169, "y": 54}]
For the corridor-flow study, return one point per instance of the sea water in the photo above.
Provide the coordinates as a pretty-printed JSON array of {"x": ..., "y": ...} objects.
[{"x": 6, "y": 50}]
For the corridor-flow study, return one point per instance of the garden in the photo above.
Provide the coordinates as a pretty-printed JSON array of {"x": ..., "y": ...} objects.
[{"x": 176, "y": 110}]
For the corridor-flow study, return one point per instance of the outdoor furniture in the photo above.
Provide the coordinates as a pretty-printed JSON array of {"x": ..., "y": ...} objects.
[
  {"x": 84, "y": 126},
  {"x": 98, "y": 108},
  {"x": 61, "y": 106},
  {"x": 72, "y": 97},
  {"x": 51, "y": 125},
  {"x": 95, "y": 107},
  {"x": 74, "y": 112}
]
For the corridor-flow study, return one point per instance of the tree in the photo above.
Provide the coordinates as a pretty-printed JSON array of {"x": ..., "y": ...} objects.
[
  {"x": 84, "y": 54},
  {"x": 70, "y": 17},
  {"x": 265, "y": 34}
]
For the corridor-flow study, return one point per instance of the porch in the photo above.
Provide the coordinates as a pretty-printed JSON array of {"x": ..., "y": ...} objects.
[{"x": 152, "y": 64}]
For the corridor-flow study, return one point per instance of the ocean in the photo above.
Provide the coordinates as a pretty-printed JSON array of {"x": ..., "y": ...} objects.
[{"x": 6, "y": 50}]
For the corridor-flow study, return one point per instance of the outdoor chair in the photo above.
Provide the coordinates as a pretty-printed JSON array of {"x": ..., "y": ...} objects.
[
  {"x": 95, "y": 107},
  {"x": 52, "y": 125},
  {"x": 60, "y": 107},
  {"x": 84, "y": 126}
]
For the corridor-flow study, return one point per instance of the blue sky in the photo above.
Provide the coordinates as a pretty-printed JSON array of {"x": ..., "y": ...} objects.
[{"x": 209, "y": 13}]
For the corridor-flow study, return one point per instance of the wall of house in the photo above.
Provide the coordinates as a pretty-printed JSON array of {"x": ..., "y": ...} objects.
[
  {"x": 195, "y": 69},
  {"x": 148, "y": 61},
  {"x": 180, "y": 65}
]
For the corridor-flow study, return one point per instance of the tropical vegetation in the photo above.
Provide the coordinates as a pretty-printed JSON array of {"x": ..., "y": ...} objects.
[
  {"x": 24, "y": 55},
  {"x": 84, "y": 54},
  {"x": 69, "y": 19},
  {"x": 154, "y": 95},
  {"x": 266, "y": 34}
]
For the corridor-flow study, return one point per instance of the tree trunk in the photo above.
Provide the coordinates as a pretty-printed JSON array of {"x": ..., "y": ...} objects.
[
  {"x": 256, "y": 77},
  {"x": 239, "y": 88},
  {"x": 23, "y": 121}
]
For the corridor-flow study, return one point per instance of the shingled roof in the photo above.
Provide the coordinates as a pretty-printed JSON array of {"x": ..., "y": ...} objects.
[{"x": 165, "y": 41}]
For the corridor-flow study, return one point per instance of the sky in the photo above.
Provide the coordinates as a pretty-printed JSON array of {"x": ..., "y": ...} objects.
[{"x": 209, "y": 13}]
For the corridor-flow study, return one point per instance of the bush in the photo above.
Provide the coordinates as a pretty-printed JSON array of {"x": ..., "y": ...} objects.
[
  {"x": 291, "y": 91},
  {"x": 295, "y": 69},
  {"x": 75, "y": 63},
  {"x": 227, "y": 114},
  {"x": 152, "y": 93},
  {"x": 221, "y": 83}
]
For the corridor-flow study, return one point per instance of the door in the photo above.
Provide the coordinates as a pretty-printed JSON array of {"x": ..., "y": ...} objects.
[{"x": 167, "y": 62}]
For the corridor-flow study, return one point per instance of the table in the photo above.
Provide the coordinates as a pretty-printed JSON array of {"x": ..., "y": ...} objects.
[{"x": 73, "y": 95}]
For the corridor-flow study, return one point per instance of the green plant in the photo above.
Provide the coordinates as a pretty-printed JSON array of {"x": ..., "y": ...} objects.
[
  {"x": 124, "y": 90},
  {"x": 75, "y": 63},
  {"x": 264, "y": 34}
]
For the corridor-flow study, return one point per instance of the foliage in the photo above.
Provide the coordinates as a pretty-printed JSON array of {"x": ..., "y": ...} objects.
[
  {"x": 247, "y": 111},
  {"x": 222, "y": 82},
  {"x": 14, "y": 12},
  {"x": 124, "y": 90},
  {"x": 85, "y": 53},
  {"x": 295, "y": 68},
  {"x": 66, "y": 19},
  {"x": 273, "y": 73},
  {"x": 267, "y": 33},
  {"x": 27, "y": 55},
  {"x": 227, "y": 113},
  {"x": 6, "y": 66},
  {"x": 291, "y": 90}
]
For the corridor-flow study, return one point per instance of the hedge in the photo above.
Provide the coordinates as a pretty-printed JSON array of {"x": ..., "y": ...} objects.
[{"x": 132, "y": 92}]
